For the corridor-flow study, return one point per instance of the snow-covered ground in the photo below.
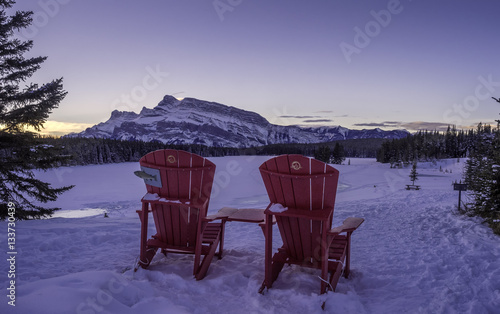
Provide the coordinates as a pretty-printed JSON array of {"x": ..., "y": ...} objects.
[{"x": 413, "y": 254}]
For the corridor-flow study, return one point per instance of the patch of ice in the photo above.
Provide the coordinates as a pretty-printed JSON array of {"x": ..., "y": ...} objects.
[{"x": 87, "y": 212}]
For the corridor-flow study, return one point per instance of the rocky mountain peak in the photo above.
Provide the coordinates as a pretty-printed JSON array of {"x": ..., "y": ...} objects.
[
  {"x": 168, "y": 101},
  {"x": 194, "y": 121}
]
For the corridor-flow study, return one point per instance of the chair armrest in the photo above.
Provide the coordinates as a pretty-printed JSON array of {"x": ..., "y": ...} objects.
[
  {"x": 349, "y": 225},
  {"x": 155, "y": 199},
  {"x": 273, "y": 222},
  {"x": 223, "y": 213},
  {"x": 317, "y": 214}
]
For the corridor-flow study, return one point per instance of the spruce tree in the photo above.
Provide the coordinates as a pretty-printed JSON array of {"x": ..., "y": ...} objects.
[
  {"x": 482, "y": 174},
  {"x": 21, "y": 150},
  {"x": 338, "y": 154},
  {"x": 414, "y": 174},
  {"x": 323, "y": 154},
  {"x": 495, "y": 180}
]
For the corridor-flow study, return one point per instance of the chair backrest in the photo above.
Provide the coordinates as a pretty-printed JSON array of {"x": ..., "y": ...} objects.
[
  {"x": 184, "y": 176},
  {"x": 302, "y": 183}
]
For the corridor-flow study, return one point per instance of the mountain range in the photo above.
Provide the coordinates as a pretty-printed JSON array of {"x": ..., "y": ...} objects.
[{"x": 194, "y": 121}]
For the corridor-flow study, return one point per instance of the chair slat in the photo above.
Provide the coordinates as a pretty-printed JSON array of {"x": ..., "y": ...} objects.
[
  {"x": 286, "y": 234},
  {"x": 171, "y": 190},
  {"x": 301, "y": 189},
  {"x": 184, "y": 225},
  {"x": 167, "y": 223},
  {"x": 316, "y": 240},
  {"x": 184, "y": 177},
  {"x": 304, "y": 228},
  {"x": 296, "y": 238},
  {"x": 176, "y": 225},
  {"x": 276, "y": 184},
  {"x": 193, "y": 219}
]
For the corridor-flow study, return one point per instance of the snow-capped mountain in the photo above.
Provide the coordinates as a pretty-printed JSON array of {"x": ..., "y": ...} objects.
[{"x": 193, "y": 121}]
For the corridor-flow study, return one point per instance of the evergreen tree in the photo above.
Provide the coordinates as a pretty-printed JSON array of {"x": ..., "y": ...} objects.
[
  {"x": 482, "y": 174},
  {"x": 414, "y": 173},
  {"x": 21, "y": 151},
  {"x": 338, "y": 154},
  {"x": 323, "y": 153}
]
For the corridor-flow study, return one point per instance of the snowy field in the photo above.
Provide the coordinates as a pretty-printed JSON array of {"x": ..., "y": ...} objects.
[{"x": 413, "y": 254}]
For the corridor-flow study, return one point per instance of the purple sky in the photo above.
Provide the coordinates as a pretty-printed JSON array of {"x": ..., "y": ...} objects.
[{"x": 359, "y": 64}]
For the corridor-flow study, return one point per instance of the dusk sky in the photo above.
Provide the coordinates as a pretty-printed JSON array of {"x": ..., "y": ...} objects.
[{"x": 359, "y": 64}]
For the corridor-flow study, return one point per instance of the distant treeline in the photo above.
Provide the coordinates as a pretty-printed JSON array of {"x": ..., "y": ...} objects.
[
  {"x": 85, "y": 151},
  {"x": 427, "y": 145},
  {"x": 362, "y": 148}
]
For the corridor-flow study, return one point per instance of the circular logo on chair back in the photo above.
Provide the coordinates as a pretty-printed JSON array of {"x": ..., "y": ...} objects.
[
  {"x": 296, "y": 165},
  {"x": 171, "y": 159}
]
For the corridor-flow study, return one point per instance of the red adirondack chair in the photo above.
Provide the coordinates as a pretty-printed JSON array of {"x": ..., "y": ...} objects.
[
  {"x": 178, "y": 187},
  {"x": 306, "y": 189}
]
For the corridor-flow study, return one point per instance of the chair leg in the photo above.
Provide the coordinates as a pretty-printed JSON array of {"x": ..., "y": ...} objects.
[
  {"x": 146, "y": 259},
  {"x": 268, "y": 271},
  {"x": 205, "y": 263},
  {"x": 221, "y": 243},
  {"x": 146, "y": 255},
  {"x": 335, "y": 276},
  {"x": 279, "y": 260},
  {"x": 324, "y": 274},
  {"x": 347, "y": 266},
  {"x": 324, "y": 258},
  {"x": 198, "y": 248}
]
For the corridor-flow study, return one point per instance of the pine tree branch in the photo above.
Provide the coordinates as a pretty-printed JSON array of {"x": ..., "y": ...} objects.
[{"x": 20, "y": 150}]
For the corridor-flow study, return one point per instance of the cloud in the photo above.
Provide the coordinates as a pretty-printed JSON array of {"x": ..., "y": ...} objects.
[
  {"x": 299, "y": 117},
  {"x": 317, "y": 120},
  {"x": 421, "y": 125},
  {"x": 412, "y": 126},
  {"x": 376, "y": 125}
]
